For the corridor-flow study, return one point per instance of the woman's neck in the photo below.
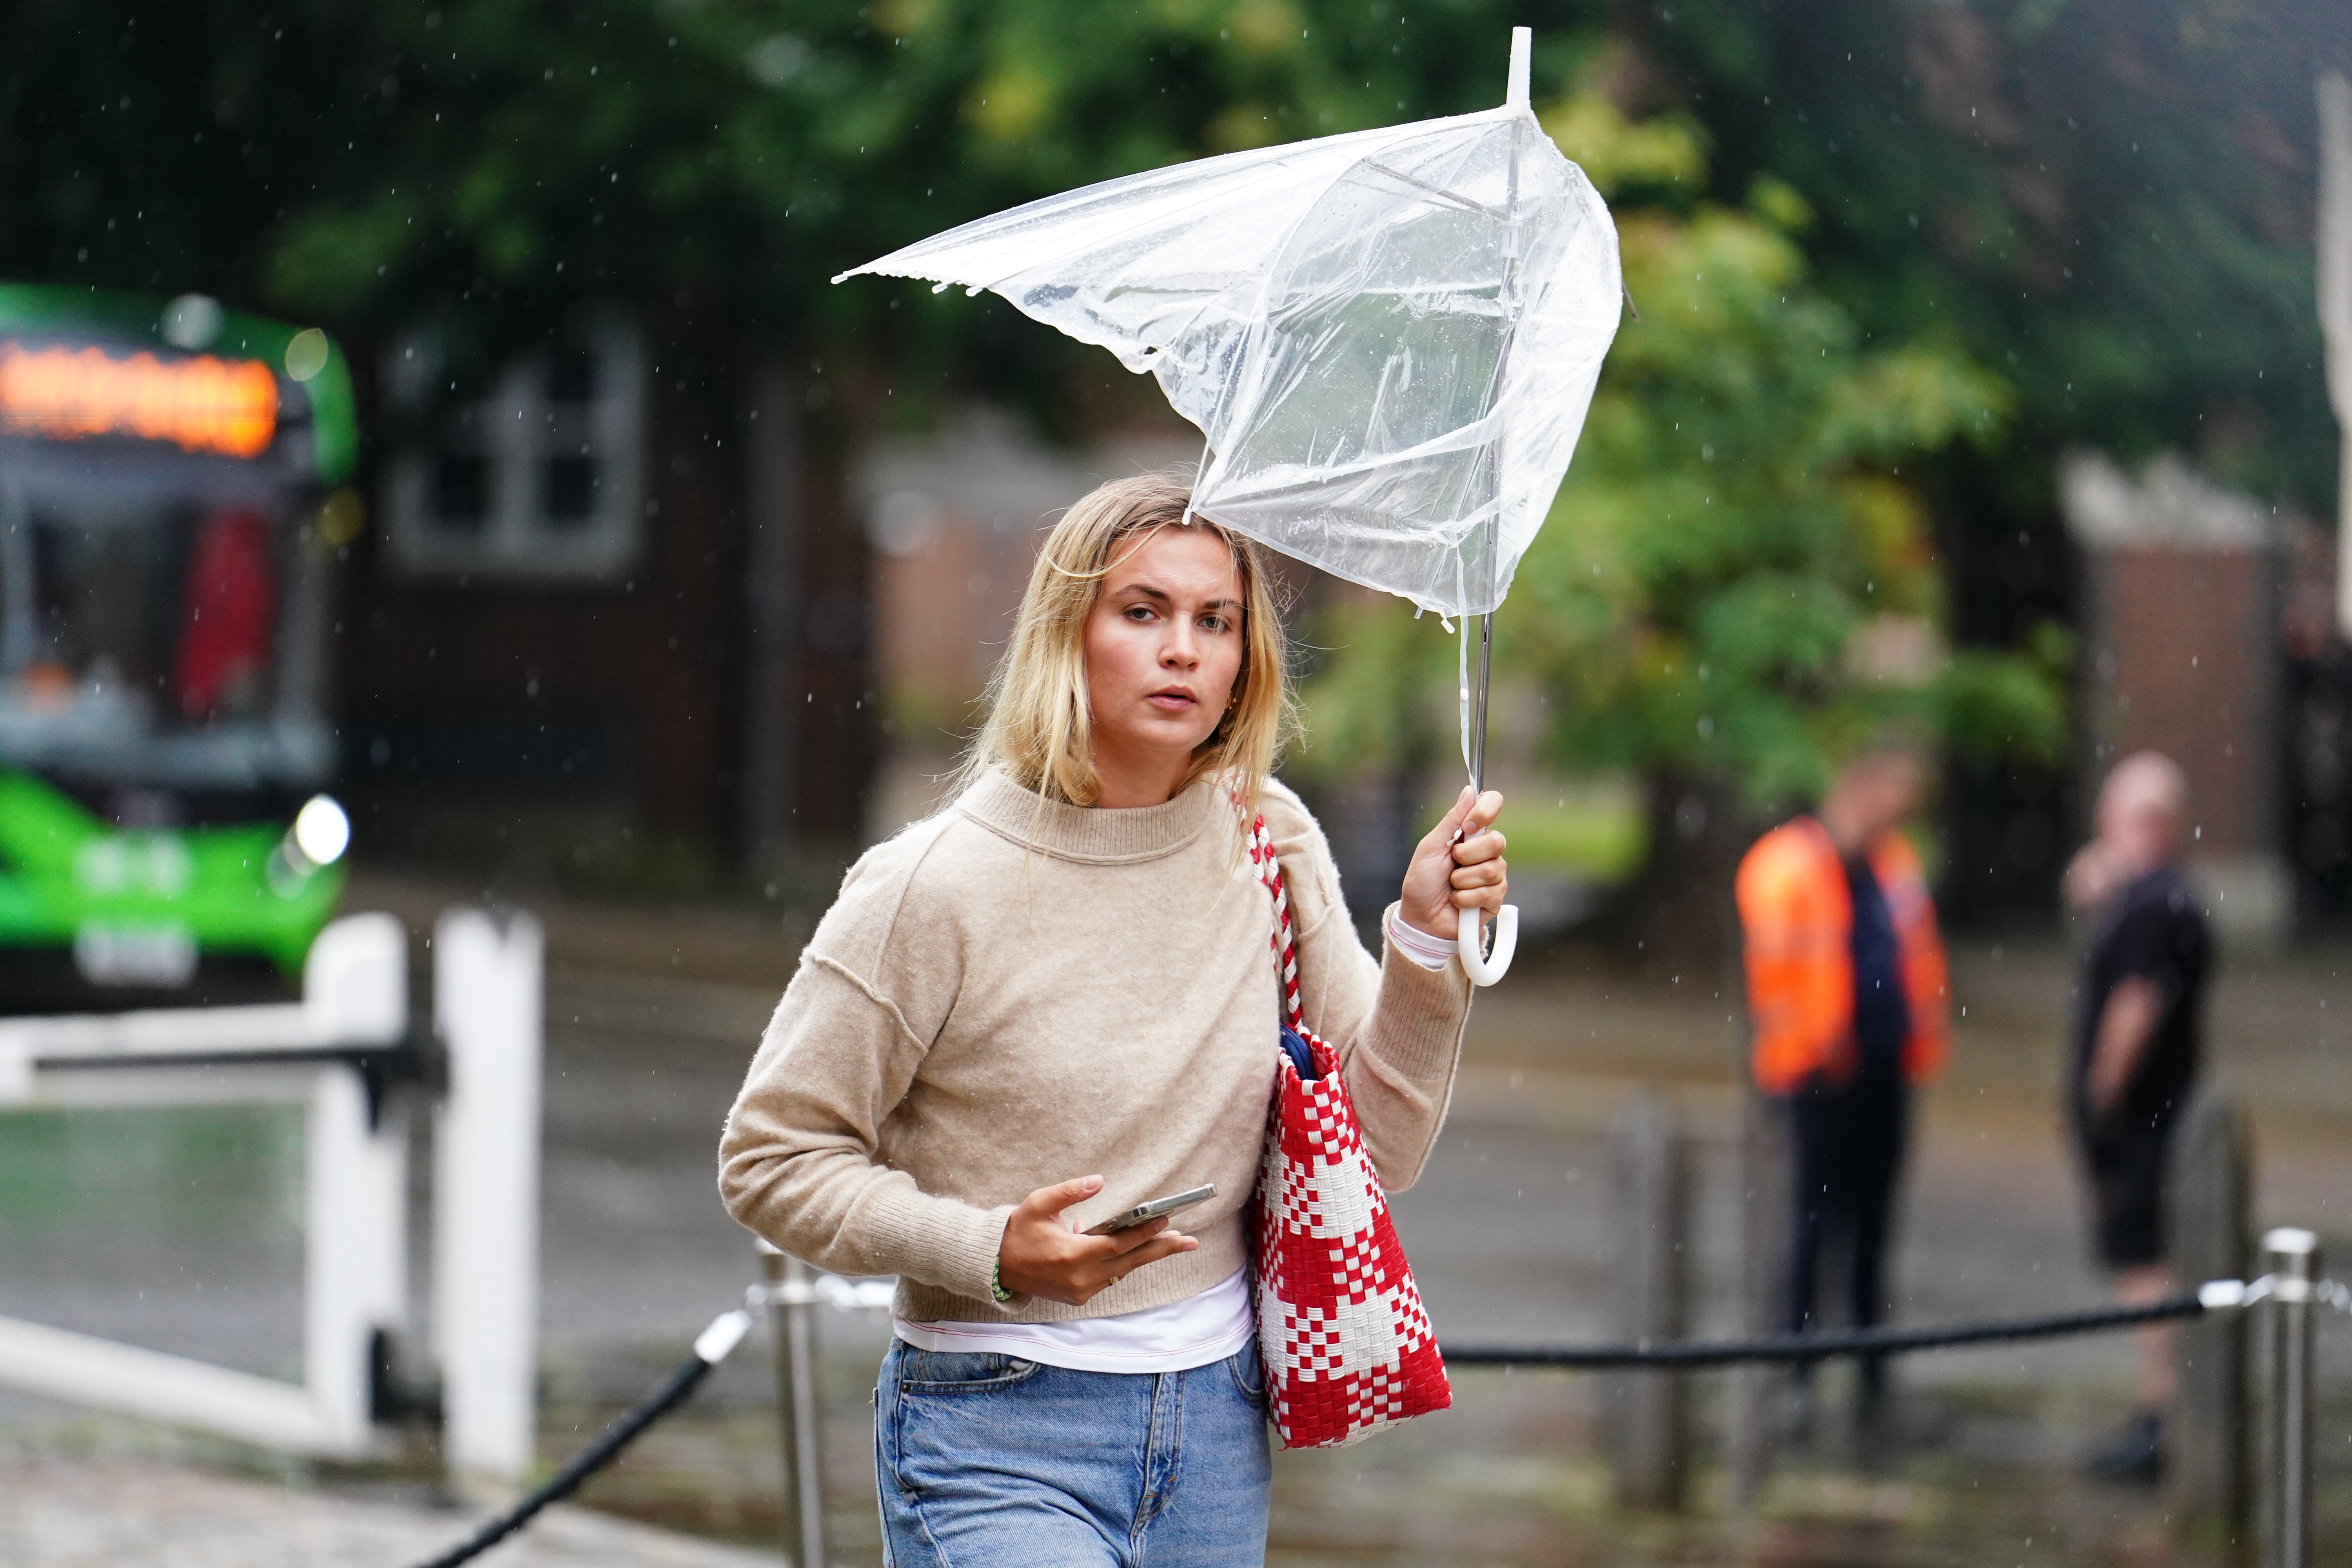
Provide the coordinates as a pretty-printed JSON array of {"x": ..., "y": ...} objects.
[{"x": 1125, "y": 783}]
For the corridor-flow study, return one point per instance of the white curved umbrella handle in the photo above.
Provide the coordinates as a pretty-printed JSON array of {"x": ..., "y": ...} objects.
[{"x": 1469, "y": 941}]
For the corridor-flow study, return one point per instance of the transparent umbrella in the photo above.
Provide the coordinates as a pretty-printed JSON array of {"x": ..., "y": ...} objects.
[{"x": 1389, "y": 338}]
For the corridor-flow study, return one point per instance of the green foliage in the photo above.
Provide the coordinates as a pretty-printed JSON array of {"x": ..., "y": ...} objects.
[
  {"x": 1735, "y": 582},
  {"x": 2107, "y": 200},
  {"x": 1596, "y": 830},
  {"x": 362, "y": 163}
]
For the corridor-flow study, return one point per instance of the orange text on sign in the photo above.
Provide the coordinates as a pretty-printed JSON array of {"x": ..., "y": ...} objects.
[{"x": 203, "y": 404}]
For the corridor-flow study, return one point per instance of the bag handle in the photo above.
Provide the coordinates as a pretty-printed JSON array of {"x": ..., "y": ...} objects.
[{"x": 1268, "y": 866}]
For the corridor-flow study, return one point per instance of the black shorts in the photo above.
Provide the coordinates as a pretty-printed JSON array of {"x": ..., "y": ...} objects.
[{"x": 2126, "y": 1172}]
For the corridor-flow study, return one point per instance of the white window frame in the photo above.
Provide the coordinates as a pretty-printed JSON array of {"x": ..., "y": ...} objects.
[{"x": 516, "y": 428}]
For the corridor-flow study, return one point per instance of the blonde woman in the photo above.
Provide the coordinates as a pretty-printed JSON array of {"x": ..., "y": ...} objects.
[{"x": 1055, "y": 1000}]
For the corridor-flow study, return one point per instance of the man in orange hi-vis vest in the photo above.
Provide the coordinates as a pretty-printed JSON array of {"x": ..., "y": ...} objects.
[{"x": 1847, "y": 999}]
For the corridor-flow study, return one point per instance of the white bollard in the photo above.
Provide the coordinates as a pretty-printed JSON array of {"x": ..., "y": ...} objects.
[
  {"x": 355, "y": 1231},
  {"x": 353, "y": 1244},
  {"x": 355, "y": 981},
  {"x": 488, "y": 1006}
]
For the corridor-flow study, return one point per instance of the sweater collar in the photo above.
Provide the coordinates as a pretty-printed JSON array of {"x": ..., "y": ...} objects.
[{"x": 1089, "y": 833}]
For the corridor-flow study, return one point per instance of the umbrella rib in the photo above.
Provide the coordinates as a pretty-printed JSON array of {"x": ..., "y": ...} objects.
[
  {"x": 1271, "y": 168},
  {"x": 1438, "y": 191},
  {"x": 996, "y": 280}
]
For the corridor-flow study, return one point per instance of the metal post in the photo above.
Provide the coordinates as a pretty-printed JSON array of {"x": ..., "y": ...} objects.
[
  {"x": 1653, "y": 1407},
  {"x": 2208, "y": 1225},
  {"x": 1762, "y": 1205},
  {"x": 789, "y": 1296},
  {"x": 2291, "y": 1255}
]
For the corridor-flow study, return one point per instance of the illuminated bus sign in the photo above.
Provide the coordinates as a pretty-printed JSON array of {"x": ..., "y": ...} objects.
[{"x": 202, "y": 403}]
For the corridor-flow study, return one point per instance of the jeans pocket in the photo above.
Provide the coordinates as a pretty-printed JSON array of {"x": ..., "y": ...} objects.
[
  {"x": 948, "y": 1407},
  {"x": 922, "y": 1372},
  {"x": 1249, "y": 1373}
]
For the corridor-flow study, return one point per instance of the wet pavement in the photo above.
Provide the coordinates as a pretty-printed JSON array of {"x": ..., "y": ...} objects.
[
  {"x": 68, "y": 1510},
  {"x": 651, "y": 1021}
]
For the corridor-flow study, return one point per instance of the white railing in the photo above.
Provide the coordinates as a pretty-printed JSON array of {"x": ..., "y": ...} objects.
[{"x": 338, "y": 1053}]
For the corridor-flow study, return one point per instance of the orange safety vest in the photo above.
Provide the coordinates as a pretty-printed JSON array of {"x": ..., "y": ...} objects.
[{"x": 1797, "y": 919}]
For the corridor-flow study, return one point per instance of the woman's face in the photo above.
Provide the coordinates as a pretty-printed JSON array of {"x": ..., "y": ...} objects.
[{"x": 1163, "y": 649}]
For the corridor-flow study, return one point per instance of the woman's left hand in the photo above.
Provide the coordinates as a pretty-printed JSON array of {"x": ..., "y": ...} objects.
[{"x": 1446, "y": 877}]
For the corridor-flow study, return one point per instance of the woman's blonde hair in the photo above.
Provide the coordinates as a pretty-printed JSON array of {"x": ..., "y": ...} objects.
[{"x": 1039, "y": 727}]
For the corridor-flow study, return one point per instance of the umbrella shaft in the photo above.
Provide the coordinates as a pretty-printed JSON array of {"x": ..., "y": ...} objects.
[
  {"x": 1479, "y": 703},
  {"x": 1494, "y": 529}
]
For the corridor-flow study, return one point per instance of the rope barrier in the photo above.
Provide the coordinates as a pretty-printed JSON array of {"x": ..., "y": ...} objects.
[
  {"x": 725, "y": 1332},
  {"x": 1850, "y": 1341}
]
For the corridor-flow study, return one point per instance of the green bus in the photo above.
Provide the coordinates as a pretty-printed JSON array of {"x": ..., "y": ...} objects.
[{"x": 172, "y": 503}]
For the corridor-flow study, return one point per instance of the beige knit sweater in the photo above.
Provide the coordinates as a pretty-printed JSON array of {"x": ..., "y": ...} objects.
[{"x": 1013, "y": 993}]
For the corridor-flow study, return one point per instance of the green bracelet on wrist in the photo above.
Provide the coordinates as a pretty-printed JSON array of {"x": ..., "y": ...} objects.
[{"x": 996, "y": 1281}]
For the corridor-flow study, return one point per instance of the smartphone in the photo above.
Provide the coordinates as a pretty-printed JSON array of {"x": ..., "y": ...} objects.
[{"x": 1154, "y": 1210}]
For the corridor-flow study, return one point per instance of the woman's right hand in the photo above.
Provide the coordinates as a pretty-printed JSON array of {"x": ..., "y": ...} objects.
[{"x": 1044, "y": 1255}]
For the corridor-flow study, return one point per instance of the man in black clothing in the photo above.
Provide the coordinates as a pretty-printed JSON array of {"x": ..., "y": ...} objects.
[{"x": 2137, "y": 1048}]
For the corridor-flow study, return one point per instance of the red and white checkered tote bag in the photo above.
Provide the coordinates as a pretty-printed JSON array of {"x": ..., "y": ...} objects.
[{"x": 1347, "y": 1346}]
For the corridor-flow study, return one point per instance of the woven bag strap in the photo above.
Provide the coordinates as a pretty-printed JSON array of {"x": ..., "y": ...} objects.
[{"x": 1285, "y": 947}]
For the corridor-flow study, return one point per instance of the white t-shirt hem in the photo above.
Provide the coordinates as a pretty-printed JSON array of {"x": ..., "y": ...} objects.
[{"x": 1199, "y": 1331}]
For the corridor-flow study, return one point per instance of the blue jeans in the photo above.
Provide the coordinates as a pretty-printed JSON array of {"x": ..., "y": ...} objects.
[{"x": 988, "y": 1461}]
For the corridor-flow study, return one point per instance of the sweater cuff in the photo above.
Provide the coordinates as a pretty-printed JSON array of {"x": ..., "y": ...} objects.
[
  {"x": 1429, "y": 951},
  {"x": 960, "y": 1242},
  {"x": 1421, "y": 1010}
]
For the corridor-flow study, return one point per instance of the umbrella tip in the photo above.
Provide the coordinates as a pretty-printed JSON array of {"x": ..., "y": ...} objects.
[{"x": 1515, "y": 94}]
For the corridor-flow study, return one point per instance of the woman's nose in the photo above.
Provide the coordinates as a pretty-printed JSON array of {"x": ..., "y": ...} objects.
[{"x": 1178, "y": 651}]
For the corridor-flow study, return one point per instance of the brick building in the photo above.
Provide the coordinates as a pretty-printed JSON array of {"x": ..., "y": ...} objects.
[
  {"x": 607, "y": 626},
  {"x": 2182, "y": 586}
]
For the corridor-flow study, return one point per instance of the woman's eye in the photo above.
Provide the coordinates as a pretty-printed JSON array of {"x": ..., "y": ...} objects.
[
  {"x": 1214, "y": 623},
  {"x": 1139, "y": 612}
]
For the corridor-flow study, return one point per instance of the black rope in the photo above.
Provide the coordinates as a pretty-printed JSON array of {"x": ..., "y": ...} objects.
[
  {"x": 673, "y": 1391},
  {"x": 1814, "y": 1347},
  {"x": 690, "y": 1373}
]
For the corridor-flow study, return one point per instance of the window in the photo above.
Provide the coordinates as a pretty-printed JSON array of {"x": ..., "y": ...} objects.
[{"x": 542, "y": 481}]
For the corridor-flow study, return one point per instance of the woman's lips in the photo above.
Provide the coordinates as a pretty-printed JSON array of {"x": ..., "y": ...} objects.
[{"x": 1173, "y": 701}]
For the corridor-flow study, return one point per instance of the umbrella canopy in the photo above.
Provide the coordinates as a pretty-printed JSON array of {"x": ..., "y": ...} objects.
[{"x": 1389, "y": 337}]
